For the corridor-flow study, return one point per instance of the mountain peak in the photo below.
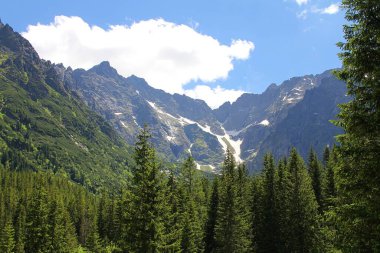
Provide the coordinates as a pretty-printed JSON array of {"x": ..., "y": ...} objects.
[
  {"x": 14, "y": 42},
  {"x": 105, "y": 69}
]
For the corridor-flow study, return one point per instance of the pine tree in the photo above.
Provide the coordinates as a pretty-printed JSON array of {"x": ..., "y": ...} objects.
[
  {"x": 93, "y": 242},
  {"x": 315, "y": 172},
  {"x": 284, "y": 191},
  {"x": 62, "y": 233},
  {"x": 358, "y": 175},
  {"x": 330, "y": 186},
  {"x": 172, "y": 224},
  {"x": 20, "y": 227},
  {"x": 209, "y": 241},
  {"x": 147, "y": 195},
  {"x": 326, "y": 155},
  {"x": 304, "y": 226},
  {"x": 269, "y": 227},
  {"x": 242, "y": 210},
  {"x": 37, "y": 226},
  {"x": 123, "y": 221},
  {"x": 192, "y": 214},
  {"x": 7, "y": 242},
  {"x": 228, "y": 230}
]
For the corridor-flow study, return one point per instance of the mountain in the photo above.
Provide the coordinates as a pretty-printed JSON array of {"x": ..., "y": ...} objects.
[
  {"x": 306, "y": 125},
  {"x": 182, "y": 125},
  {"x": 78, "y": 120},
  {"x": 296, "y": 113},
  {"x": 45, "y": 126}
]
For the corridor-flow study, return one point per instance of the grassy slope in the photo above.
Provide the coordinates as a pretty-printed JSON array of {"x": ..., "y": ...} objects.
[{"x": 42, "y": 126}]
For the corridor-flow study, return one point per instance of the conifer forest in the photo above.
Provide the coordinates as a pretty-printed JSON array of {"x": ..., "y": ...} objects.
[{"x": 325, "y": 203}]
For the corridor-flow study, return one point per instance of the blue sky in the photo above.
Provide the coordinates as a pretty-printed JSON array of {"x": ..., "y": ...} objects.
[{"x": 288, "y": 37}]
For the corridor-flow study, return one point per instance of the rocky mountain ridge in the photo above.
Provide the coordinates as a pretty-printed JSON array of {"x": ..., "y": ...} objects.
[{"x": 181, "y": 125}]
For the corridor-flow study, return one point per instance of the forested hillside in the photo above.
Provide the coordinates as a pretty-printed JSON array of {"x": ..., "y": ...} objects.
[
  {"x": 174, "y": 209},
  {"x": 68, "y": 183},
  {"x": 44, "y": 126}
]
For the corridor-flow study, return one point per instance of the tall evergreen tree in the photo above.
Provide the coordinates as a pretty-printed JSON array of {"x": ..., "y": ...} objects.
[
  {"x": 62, "y": 234},
  {"x": 304, "y": 226},
  {"x": 7, "y": 242},
  {"x": 209, "y": 241},
  {"x": 269, "y": 227},
  {"x": 315, "y": 172},
  {"x": 326, "y": 155},
  {"x": 358, "y": 174},
  {"x": 147, "y": 190},
  {"x": 229, "y": 230},
  {"x": 284, "y": 190},
  {"x": 20, "y": 226},
  {"x": 172, "y": 223},
  {"x": 330, "y": 185},
  {"x": 193, "y": 210},
  {"x": 243, "y": 233},
  {"x": 38, "y": 227}
]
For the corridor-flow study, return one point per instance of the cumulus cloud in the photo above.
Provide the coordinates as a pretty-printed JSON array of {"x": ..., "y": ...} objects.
[
  {"x": 332, "y": 9},
  {"x": 301, "y": 2},
  {"x": 166, "y": 54},
  {"x": 214, "y": 97}
]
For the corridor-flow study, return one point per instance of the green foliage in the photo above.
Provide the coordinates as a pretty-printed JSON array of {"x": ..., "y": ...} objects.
[
  {"x": 316, "y": 175},
  {"x": 41, "y": 212},
  {"x": 7, "y": 242},
  {"x": 358, "y": 177},
  {"x": 193, "y": 207},
  {"x": 148, "y": 198},
  {"x": 45, "y": 127},
  {"x": 231, "y": 227},
  {"x": 209, "y": 239},
  {"x": 284, "y": 208}
]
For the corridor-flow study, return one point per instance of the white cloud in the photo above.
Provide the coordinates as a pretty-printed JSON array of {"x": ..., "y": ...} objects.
[
  {"x": 167, "y": 55},
  {"x": 332, "y": 9},
  {"x": 214, "y": 97},
  {"x": 301, "y": 2}
]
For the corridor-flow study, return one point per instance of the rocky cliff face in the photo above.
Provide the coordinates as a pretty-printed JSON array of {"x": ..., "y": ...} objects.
[{"x": 181, "y": 125}]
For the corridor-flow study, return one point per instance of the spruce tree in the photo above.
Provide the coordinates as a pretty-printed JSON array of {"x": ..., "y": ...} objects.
[
  {"x": 230, "y": 228},
  {"x": 62, "y": 234},
  {"x": 358, "y": 175},
  {"x": 315, "y": 172},
  {"x": 330, "y": 185},
  {"x": 269, "y": 228},
  {"x": 20, "y": 227},
  {"x": 37, "y": 226},
  {"x": 209, "y": 241},
  {"x": 172, "y": 223},
  {"x": 257, "y": 215},
  {"x": 7, "y": 242},
  {"x": 193, "y": 209},
  {"x": 147, "y": 198},
  {"x": 284, "y": 191},
  {"x": 243, "y": 232},
  {"x": 93, "y": 241},
  {"x": 304, "y": 224},
  {"x": 326, "y": 155}
]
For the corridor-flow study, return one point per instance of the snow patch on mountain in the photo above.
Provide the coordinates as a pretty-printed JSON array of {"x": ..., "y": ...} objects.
[{"x": 265, "y": 122}]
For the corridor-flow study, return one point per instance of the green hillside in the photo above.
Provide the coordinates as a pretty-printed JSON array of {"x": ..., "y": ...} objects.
[{"x": 43, "y": 126}]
